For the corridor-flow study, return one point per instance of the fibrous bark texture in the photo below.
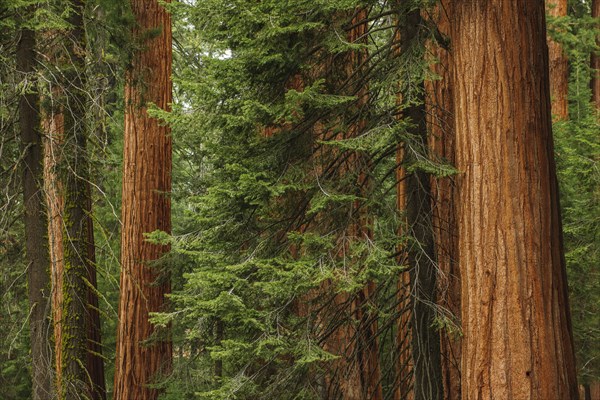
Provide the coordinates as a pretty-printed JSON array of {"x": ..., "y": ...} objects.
[
  {"x": 38, "y": 269},
  {"x": 52, "y": 126},
  {"x": 440, "y": 125},
  {"x": 404, "y": 379},
  {"x": 559, "y": 66},
  {"x": 517, "y": 341},
  {"x": 146, "y": 207}
]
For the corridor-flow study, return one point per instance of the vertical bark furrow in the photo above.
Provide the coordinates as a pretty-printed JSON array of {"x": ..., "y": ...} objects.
[
  {"x": 440, "y": 120},
  {"x": 517, "y": 340},
  {"x": 141, "y": 359}
]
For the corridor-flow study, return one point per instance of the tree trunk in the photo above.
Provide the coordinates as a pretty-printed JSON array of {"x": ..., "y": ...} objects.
[
  {"x": 356, "y": 375},
  {"x": 517, "y": 341},
  {"x": 52, "y": 126},
  {"x": 423, "y": 273},
  {"x": 596, "y": 61},
  {"x": 79, "y": 364},
  {"x": 38, "y": 277},
  {"x": 559, "y": 66},
  {"x": 440, "y": 121},
  {"x": 94, "y": 362},
  {"x": 404, "y": 379},
  {"x": 146, "y": 207}
]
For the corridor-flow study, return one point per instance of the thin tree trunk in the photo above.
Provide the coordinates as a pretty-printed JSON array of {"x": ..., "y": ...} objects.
[
  {"x": 440, "y": 121},
  {"x": 423, "y": 272},
  {"x": 94, "y": 362},
  {"x": 52, "y": 126},
  {"x": 404, "y": 379},
  {"x": 404, "y": 374},
  {"x": 146, "y": 207},
  {"x": 559, "y": 66},
  {"x": 596, "y": 61},
  {"x": 517, "y": 341},
  {"x": 77, "y": 362},
  {"x": 38, "y": 271}
]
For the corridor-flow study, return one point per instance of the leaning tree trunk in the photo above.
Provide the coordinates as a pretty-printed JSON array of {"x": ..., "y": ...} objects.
[
  {"x": 146, "y": 207},
  {"x": 517, "y": 341},
  {"x": 38, "y": 270},
  {"x": 559, "y": 66},
  {"x": 440, "y": 125}
]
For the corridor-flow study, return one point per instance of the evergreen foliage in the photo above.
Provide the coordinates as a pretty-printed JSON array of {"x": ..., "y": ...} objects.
[
  {"x": 286, "y": 120},
  {"x": 578, "y": 156}
]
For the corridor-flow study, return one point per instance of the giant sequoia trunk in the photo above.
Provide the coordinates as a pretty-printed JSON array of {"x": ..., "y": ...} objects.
[
  {"x": 38, "y": 269},
  {"x": 517, "y": 341},
  {"x": 440, "y": 125},
  {"x": 559, "y": 66},
  {"x": 146, "y": 207}
]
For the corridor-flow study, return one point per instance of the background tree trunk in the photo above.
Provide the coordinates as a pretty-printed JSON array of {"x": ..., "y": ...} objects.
[
  {"x": 420, "y": 251},
  {"x": 79, "y": 363},
  {"x": 52, "y": 126},
  {"x": 517, "y": 339},
  {"x": 440, "y": 123},
  {"x": 146, "y": 207},
  {"x": 596, "y": 61},
  {"x": 559, "y": 66},
  {"x": 76, "y": 220},
  {"x": 354, "y": 335},
  {"x": 38, "y": 271}
]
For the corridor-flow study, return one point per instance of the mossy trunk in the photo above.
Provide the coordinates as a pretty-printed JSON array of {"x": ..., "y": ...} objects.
[
  {"x": 38, "y": 269},
  {"x": 78, "y": 359}
]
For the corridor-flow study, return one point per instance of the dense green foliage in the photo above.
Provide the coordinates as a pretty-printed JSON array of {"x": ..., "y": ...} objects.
[
  {"x": 578, "y": 157},
  {"x": 286, "y": 120}
]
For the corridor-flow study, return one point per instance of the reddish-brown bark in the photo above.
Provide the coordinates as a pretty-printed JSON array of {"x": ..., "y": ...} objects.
[
  {"x": 52, "y": 126},
  {"x": 440, "y": 126},
  {"x": 356, "y": 375},
  {"x": 404, "y": 364},
  {"x": 146, "y": 207},
  {"x": 559, "y": 66},
  {"x": 517, "y": 341}
]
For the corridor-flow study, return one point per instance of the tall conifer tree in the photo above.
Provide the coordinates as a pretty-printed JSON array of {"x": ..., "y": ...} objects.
[
  {"x": 517, "y": 339},
  {"x": 38, "y": 271},
  {"x": 146, "y": 206}
]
